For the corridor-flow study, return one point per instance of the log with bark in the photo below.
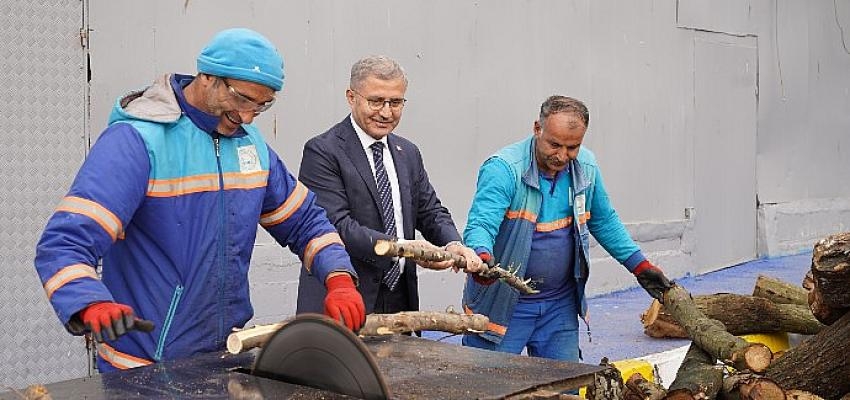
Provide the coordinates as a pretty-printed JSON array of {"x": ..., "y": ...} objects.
[
  {"x": 747, "y": 386},
  {"x": 638, "y": 388},
  {"x": 823, "y": 312},
  {"x": 698, "y": 377},
  {"x": 412, "y": 321},
  {"x": 828, "y": 278},
  {"x": 831, "y": 269},
  {"x": 376, "y": 325},
  {"x": 740, "y": 315},
  {"x": 779, "y": 291},
  {"x": 711, "y": 335},
  {"x": 801, "y": 395},
  {"x": 819, "y": 364},
  {"x": 418, "y": 253},
  {"x": 544, "y": 395},
  {"x": 607, "y": 384}
]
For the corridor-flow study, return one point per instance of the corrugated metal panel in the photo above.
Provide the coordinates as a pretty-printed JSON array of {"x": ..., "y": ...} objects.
[{"x": 41, "y": 146}]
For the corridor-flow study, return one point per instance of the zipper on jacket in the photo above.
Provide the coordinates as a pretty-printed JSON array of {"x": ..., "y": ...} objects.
[
  {"x": 166, "y": 325},
  {"x": 222, "y": 262}
]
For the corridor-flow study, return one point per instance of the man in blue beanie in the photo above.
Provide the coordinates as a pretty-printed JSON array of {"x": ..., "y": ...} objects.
[{"x": 169, "y": 200}]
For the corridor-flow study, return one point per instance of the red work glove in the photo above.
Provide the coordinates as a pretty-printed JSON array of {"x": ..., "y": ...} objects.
[
  {"x": 652, "y": 279},
  {"x": 344, "y": 303},
  {"x": 111, "y": 318},
  {"x": 488, "y": 259}
]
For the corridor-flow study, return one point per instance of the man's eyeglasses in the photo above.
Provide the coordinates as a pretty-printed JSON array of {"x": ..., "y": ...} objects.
[
  {"x": 379, "y": 103},
  {"x": 245, "y": 103}
]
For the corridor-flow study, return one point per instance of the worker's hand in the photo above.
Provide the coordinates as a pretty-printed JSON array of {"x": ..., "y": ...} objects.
[
  {"x": 652, "y": 279},
  {"x": 487, "y": 262},
  {"x": 473, "y": 263},
  {"x": 107, "y": 320},
  {"x": 435, "y": 265},
  {"x": 343, "y": 302}
]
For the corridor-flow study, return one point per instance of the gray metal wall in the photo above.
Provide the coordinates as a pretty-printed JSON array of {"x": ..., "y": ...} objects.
[
  {"x": 699, "y": 109},
  {"x": 42, "y": 143}
]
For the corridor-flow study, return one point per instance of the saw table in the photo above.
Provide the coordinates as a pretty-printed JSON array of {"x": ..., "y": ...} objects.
[{"x": 413, "y": 368}]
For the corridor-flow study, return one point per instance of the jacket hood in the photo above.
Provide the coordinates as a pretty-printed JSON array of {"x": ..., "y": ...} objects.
[{"x": 156, "y": 103}]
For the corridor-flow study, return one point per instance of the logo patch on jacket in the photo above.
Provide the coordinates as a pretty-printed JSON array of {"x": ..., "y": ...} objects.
[
  {"x": 580, "y": 205},
  {"x": 249, "y": 160}
]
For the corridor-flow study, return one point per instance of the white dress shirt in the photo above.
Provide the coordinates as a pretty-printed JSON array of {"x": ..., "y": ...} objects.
[{"x": 389, "y": 165}]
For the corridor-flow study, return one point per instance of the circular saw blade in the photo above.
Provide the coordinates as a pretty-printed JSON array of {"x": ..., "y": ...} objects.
[{"x": 314, "y": 350}]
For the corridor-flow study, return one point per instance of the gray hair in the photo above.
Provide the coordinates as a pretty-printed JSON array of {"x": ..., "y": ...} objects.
[
  {"x": 381, "y": 67},
  {"x": 563, "y": 104}
]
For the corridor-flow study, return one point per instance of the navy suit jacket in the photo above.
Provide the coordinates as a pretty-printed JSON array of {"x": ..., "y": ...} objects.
[{"x": 335, "y": 167}]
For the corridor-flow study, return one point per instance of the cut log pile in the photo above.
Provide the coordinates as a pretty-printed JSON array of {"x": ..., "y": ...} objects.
[{"x": 719, "y": 364}]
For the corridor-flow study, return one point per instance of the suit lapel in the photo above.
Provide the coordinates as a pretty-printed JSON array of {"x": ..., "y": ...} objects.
[
  {"x": 401, "y": 161},
  {"x": 353, "y": 149}
]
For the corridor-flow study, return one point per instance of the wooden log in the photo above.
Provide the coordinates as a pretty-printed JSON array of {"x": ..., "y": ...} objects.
[
  {"x": 412, "y": 321},
  {"x": 831, "y": 269},
  {"x": 802, "y": 395},
  {"x": 824, "y": 313},
  {"x": 740, "y": 315},
  {"x": 711, "y": 335},
  {"x": 779, "y": 291},
  {"x": 249, "y": 338},
  {"x": 699, "y": 377},
  {"x": 544, "y": 395},
  {"x": 376, "y": 325},
  {"x": 418, "y": 253},
  {"x": 747, "y": 386},
  {"x": 607, "y": 384},
  {"x": 819, "y": 364},
  {"x": 823, "y": 308},
  {"x": 644, "y": 389}
]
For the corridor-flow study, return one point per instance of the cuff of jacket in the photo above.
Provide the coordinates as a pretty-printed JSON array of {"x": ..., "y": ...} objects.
[{"x": 634, "y": 260}]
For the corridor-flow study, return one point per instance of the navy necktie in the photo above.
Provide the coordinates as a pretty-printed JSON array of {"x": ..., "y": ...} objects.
[{"x": 387, "y": 210}]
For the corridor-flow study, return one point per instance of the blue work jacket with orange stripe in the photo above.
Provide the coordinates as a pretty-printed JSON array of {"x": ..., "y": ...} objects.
[
  {"x": 171, "y": 208},
  {"x": 504, "y": 216}
]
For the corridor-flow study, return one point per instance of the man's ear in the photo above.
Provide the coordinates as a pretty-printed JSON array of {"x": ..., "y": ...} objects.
[
  {"x": 206, "y": 79},
  {"x": 537, "y": 128},
  {"x": 349, "y": 96}
]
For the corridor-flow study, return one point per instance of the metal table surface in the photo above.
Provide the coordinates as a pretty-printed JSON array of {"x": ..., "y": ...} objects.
[{"x": 414, "y": 368}]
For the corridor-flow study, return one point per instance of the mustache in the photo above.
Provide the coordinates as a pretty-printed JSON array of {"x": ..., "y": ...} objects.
[{"x": 556, "y": 161}]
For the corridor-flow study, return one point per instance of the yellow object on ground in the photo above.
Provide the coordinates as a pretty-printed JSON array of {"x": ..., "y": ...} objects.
[{"x": 776, "y": 342}]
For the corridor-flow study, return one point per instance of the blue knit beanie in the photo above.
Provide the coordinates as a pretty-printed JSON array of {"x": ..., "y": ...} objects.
[{"x": 242, "y": 54}]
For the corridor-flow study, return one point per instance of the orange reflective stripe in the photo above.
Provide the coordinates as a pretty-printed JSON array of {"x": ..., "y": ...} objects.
[
  {"x": 521, "y": 214},
  {"x": 582, "y": 219},
  {"x": 292, "y": 203},
  {"x": 68, "y": 274},
  {"x": 247, "y": 180},
  {"x": 206, "y": 183},
  {"x": 492, "y": 327},
  {"x": 100, "y": 214},
  {"x": 182, "y": 186},
  {"x": 118, "y": 359},
  {"x": 316, "y": 245},
  {"x": 554, "y": 225}
]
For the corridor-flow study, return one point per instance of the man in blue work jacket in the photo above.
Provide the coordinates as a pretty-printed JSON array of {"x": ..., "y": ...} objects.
[
  {"x": 532, "y": 210},
  {"x": 169, "y": 198}
]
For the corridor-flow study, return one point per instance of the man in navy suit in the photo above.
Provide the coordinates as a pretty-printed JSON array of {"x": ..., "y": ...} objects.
[{"x": 373, "y": 185}]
